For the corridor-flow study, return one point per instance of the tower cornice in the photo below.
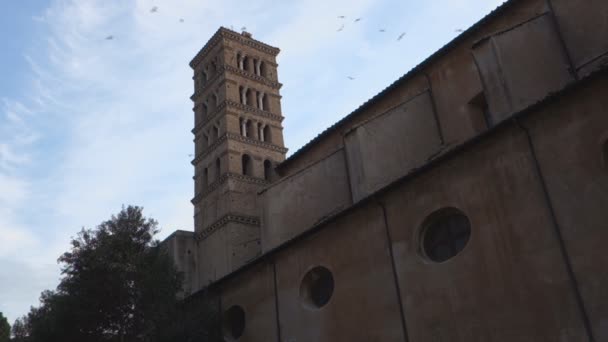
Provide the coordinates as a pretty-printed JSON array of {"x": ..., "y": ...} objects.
[
  {"x": 236, "y": 137},
  {"x": 224, "y": 33}
]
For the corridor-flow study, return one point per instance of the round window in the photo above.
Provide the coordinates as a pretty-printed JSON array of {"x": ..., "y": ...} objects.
[
  {"x": 233, "y": 323},
  {"x": 444, "y": 234},
  {"x": 317, "y": 287}
]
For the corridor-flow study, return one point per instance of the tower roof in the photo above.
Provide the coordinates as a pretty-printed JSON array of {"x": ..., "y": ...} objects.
[{"x": 244, "y": 38}]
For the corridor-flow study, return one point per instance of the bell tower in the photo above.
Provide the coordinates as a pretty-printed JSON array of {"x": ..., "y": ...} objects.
[{"x": 238, "y": 139}]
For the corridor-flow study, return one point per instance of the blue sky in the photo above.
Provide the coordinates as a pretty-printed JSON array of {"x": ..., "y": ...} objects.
[{"x": 88, "y": 124}]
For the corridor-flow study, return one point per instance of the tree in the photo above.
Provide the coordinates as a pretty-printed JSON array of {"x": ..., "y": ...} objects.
[
  {"x": 117, "y": 284},
  {"x": 5, "y": 329}
]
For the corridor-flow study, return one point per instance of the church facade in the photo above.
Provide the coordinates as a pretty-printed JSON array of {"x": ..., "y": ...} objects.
[{"x": 467, "y": 201}]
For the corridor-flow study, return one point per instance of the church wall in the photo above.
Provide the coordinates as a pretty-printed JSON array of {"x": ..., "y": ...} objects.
[
  {"x": 509, "y": 283},
  {"x": 364, "y": 305},
  {"x": 584, "y": 24},
  {"x": 570, "y": 138},
  {"x": 253, "y": 292},
  {"x": 226, "y": 248},
  {"x": 295, "y": 204},
  {"x": 407, "y": 135}
]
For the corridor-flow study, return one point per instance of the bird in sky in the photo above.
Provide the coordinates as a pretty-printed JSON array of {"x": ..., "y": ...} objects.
[
  {"x": 181, "y": 20},
  {"x": 459, "y": 30},
  {"x": 358, "y": 20},
  {"x": 382, "y": 30},
  {"x": 350, "y": 78},
  {"x": 243, "y": 28},
  {"x": 401, "y": 36},
  {"x": 341, "y": 28},
  {"x": 341, "y": 17},
  {"x": 110, "y": 37},
  {"x": 154, "y": 9},
  {"x": 190, "y": 155}
]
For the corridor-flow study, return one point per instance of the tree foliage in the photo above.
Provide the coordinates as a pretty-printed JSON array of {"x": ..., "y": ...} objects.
[
  {"x": 117, "y": 284},
  {"x": 5, "y": 329}
]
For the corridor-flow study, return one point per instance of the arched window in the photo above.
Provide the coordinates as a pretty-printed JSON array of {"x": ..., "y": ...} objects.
[
  {"x": 238, "y": 60},
  {"x": 218, "y": 169},
  {"x": 267, "y": 169},
  {"x": 215, "y": 99},
  {"x": 255, "y": 66},
  {"x": 205, "y": 140},
  {"x": 213, "y": 68},
  {"x": 246, "y": 164},
  {"x": 205, "y": 177},
  {"x": 265, "y": 103},
  {"x": 210, "y": 102},
  {"x": 262, "y": 69},
  {"x": 251, "y": 97},
  {"x": 249, "y": 129},
  {"x": 245, "y": 63},
  {"x": 216, "y": 133},
  {"x": 444, "y": 234},
  {"x": 267, "y": 134},
  {"x": 242, "y": 127}
]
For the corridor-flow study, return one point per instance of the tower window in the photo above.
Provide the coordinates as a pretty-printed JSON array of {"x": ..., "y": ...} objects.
[
  {"x": 267, "y": 134},
  {"x": 444, "y": 234},
  {"x": 242, "y": 127},
  {"x": 205, "y": 140},
  {"x": 238, "y": 60},
  {"x": 218, "y": 169},
  {"x": 248, "y": 129},
  {"x": 215, "y": 99},
  {"x": 265, "y": 104},
  {"x": 267, "y": 169},
  {"x": 246, "y": 164},
  {"x": 245, "y": 63},
  {"x": 261, "y": 100},
  {"x": 233, "y": 323},
  {"x": 205, "y": 177},
  {"x": 216, "y": 133},
  {"x": 262, "y": 69},
  {"x": 251, "y": 97},
  {"x": 255, "y": 66},
  {"x": 317, "y": 288}
]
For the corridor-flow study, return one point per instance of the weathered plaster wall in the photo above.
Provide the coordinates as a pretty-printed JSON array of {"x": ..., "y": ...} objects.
[
  {"x": 570, "y": 139},
  {"x": 296, "y": 203}
]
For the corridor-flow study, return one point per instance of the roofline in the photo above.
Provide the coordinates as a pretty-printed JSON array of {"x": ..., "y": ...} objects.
[
  {"x": 512, "y": 120},
  {"x": 410, "y": 74},
  {"x": 223, "y": 32}
]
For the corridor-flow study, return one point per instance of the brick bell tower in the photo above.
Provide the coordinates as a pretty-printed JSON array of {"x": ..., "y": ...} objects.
[{"x": 238, "y": 139}]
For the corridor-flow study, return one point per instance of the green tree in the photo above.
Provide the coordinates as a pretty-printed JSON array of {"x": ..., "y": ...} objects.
[
  {"x": 5, "y": 329},
  {"x": 117, "y": 284}
]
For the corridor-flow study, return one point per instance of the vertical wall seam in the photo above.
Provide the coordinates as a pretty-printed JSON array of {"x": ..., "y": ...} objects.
[
  {"x": 434, "y": 107},
  {"x": 276, "y": 300},
  {"x": 558, "y": 233},
  {"x": 406, "y": 337},
  {"x": 560, "y": 36}
]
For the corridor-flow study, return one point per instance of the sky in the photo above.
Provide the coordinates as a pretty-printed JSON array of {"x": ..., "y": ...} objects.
[{"x": 89, "y": 124}]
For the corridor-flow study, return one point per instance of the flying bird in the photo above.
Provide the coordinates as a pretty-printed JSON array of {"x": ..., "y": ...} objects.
[
  {"x": 243, "y": 28},
  {"x": 190, "y": 155},
  {"x": 459, "y": 30},
  {"x": 154, "y": 9},
  {"x": 341, "y": 28},
  {"x": 401, "y": 36},
  {"x": 350, "y": 78},
  {"x": 382, "y": 30},
  {"x": 357, "y": 20},
  {"x": 110, "y": 37},
  {"x": 341, "y": 17},
  {"x": 181, "y": 20}
]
